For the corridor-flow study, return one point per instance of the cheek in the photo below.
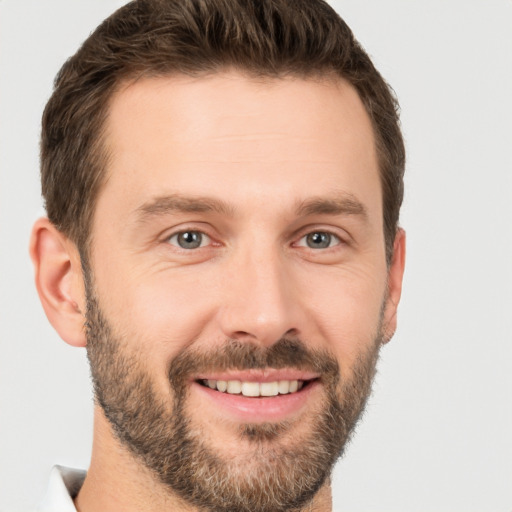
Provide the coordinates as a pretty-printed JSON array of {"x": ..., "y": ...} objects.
[
  {"x": 347, "y": 307},
  {"x": 165, "y": 309}
]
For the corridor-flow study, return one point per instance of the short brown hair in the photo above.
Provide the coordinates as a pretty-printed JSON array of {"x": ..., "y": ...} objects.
[{"x": 271, "y": 38}]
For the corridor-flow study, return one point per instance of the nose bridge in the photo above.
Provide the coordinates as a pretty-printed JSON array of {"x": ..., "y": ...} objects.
[{"x": 259, "y": 301}]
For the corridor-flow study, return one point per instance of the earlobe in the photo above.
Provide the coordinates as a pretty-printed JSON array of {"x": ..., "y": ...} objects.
[
  {"x": 59, "y": 281},
  {"x": 394, "y": 292}
]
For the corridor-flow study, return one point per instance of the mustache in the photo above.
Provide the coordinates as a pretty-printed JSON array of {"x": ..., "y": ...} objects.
[{"x": 237, "y": 355}]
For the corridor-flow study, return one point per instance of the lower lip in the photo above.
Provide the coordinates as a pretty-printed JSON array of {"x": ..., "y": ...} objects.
[{"x": 261, "y": 409}]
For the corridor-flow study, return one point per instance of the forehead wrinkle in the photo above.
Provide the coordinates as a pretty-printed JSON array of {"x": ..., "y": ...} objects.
[
  {"x": 340, "y": 204},
  {"x": 177, "y": 203}
]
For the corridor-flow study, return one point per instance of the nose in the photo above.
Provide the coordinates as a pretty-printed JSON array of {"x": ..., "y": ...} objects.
[{"x": 260, "y": 303}]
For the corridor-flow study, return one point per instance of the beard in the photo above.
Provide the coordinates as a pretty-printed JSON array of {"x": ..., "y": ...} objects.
[{"x": 283, "y": 471}]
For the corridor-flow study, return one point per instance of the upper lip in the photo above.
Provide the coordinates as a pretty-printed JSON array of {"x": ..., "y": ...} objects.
[{"x": 259, "y": 375}]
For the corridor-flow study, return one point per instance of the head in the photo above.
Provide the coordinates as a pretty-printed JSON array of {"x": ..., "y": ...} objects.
[{"x": 223, "y": 181}]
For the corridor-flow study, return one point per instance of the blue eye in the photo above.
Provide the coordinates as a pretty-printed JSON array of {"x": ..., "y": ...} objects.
[
  {"x": 189, "y": 239},
  {"x": 319, "y": 240}
]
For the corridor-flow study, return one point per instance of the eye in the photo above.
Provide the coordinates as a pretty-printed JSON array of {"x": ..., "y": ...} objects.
[
  {"x": 189, "y": 239},
  {"x": 319, "y": 240}
]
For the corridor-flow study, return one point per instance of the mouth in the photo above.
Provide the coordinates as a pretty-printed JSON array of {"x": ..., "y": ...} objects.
[
  {"x": 258, "y": 396},
  {"x": 254, "y": 389}
]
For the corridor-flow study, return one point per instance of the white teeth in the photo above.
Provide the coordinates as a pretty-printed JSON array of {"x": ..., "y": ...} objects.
[
  {"x": 255, "y": 389},
  {"x": 269, "y": 389},
  {"x": 283, "y": 387},
  {"x": 250, "y": 389},
  {"x": 234, "y": 387}
]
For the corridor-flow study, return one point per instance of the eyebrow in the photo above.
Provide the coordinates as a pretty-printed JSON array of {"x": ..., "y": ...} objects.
[
  {"x": 342, "y": 204},
  {"x": 176, "y": 203}
]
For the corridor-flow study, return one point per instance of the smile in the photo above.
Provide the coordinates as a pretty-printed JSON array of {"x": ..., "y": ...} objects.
[
  {"x": 257, "y": 395},
  {"x": 254, "y": 389}
]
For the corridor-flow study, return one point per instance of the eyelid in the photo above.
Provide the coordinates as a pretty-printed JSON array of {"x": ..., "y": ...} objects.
[
  {"x": 202, "y": 233},
  {"x": 338, "y": 240},
  {"x": 341, "y": 235},
  {"x": 202, "y": 228}
]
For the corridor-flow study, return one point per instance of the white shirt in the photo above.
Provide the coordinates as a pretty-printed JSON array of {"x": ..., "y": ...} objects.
[{"x": 63, "y": 486}]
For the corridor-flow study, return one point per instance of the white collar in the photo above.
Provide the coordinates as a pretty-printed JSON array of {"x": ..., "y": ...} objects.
[{"x": 63, "y": 486}]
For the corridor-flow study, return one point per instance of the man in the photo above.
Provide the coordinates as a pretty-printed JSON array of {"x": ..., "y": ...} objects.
[{"x": 223, "y": 182}]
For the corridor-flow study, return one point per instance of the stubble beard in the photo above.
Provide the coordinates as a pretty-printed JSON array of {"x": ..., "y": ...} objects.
[{"x": 276, "y": 477}]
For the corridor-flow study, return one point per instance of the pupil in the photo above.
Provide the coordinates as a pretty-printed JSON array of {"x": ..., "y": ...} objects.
[
  {"x": 319, "y": 240},
  {"x": 190, "y": 239}
]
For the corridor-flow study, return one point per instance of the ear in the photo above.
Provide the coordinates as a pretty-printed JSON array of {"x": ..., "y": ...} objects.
[
  {"x": 59, "y": 281},
  {"x": 395, "y": 278}
]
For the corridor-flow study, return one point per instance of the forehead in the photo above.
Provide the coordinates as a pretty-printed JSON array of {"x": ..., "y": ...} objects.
[{"x": 232, "y": 136}]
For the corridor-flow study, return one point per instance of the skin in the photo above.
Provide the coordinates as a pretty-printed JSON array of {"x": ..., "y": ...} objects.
[{"x": 261, "y": 148}]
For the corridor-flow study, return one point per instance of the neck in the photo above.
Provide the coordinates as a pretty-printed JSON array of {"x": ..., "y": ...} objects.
[{"x": 116, "y": 481}]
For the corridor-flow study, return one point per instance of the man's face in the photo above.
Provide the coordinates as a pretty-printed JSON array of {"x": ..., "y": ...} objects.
[{"x": 238, "y": 282}]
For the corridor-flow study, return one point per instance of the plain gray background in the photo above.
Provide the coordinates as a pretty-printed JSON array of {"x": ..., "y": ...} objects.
[{"x": 437, "y": 435}]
